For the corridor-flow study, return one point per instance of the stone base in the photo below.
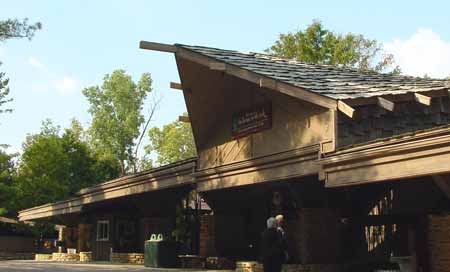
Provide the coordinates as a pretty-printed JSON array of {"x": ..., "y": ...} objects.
[
  {"x": 219, "y": 263},
  {"x": 132, "y": 258},
  {"x": 43, "y": 257},
  {"x": 85, "y": 257},
  {"x": 65, "y": 257}
]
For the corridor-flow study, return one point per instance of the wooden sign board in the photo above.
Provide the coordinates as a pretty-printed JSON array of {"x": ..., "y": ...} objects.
[{"x": 251, "y": 121}]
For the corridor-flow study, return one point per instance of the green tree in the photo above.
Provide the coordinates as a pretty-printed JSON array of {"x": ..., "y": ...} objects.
[
  {"x": 174, "y": 142},
  {"x": 318, "y": 45},
  {"x": 7, "y": 190},
  {"x": 116, "y": 109},
  {"x": 55, "y": 165},
  {"x": 13, "y": 29}
]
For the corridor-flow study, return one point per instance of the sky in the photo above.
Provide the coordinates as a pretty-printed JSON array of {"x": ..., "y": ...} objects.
[{"x": 81, "y": 41}]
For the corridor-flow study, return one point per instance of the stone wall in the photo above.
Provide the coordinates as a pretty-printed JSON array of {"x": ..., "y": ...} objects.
[
  {"x": 439, "y": 242},
  {"x": 43, "y": 257},
  {"x": 16, "y": 256},
  {"x": 85, "y": 257},
  {"x": 133, "y": 258},
  {"x": 65, "y": 257}
]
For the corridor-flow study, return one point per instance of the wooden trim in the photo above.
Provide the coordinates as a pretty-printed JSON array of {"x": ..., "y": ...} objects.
[
  {"x": 162, "y": 47},
  {"x": 110, "y": 190},
  {"x": 418, "y": 155},
  {"x": 184, "y": 119},
  {"x": 290, "y": 164},
  {"x": 239, "y": 72},
  {"x": 176, "y": 86},
  {"x": 218, "y": 66},
  {"x": 385, "y": 104},
  {"x": 268, "y": 83},
  {"x": 422, "y": 99},
  {"x": 345, "y": 109}
]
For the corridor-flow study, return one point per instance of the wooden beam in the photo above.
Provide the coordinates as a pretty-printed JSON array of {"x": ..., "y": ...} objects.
[
  {"x": 268, "y": 83},
  {"x": 157, "y": 46},
  {"x": 174, "y": 85},
  {"x": 422, "y": 99},
  {"x": 217, "y": 66},
  {"x": 385, "y": 104},
  {"x": 443, "y": 182},
  {"x": 345, "y": 109},
  {"x": 184, "y": 119}
]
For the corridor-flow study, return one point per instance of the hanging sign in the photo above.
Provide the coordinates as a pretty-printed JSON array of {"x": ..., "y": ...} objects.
[{"x": 251, "y": 121}]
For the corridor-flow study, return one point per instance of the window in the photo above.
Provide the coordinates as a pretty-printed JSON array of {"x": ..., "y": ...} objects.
[{"x": 103, "y": 230}]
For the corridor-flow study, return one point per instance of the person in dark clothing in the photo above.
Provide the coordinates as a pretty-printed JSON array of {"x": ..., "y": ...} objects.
[{"x": 272, "y": 254}]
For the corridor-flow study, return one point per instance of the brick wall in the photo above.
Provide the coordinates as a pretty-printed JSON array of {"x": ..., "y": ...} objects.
[
  {"x": 133, "y": 258},
  {"x": 207, "y": 236},
  {"x": 439, "y": 242},
  {"x": 313, "y": 238}
]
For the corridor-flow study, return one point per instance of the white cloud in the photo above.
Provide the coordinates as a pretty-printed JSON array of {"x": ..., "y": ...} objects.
[
  {"x": 36, "y": 63},
  {"x": 2, "y": 52},
  {"x": 66, "y": 85},
  {"x": 425, "y": 52}
]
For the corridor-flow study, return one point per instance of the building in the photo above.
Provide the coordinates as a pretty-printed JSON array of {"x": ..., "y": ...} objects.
[{"x": 357, "y": 162}]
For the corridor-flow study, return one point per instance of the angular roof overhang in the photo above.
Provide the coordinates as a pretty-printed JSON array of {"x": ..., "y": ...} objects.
[
  {"x": 165, "y": 177},
  {"x": 336, "y": 88},
  {"x": 422, "y": 153}
]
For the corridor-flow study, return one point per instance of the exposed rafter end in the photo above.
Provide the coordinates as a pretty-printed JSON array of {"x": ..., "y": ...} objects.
[
  {"x": 422, "y": 99},
  {"x": 184, "y": 119},
  {"x": 345, "y": 109},
  {"x": 157, "y": 46},
  {"x": 217, "y": 66},
  {"x": 268, "y": 83},
  {"x": 174, "y": 85},
  {"x": 385, "y": 104}
]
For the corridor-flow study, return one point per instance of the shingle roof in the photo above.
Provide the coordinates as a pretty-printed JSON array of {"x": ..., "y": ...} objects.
[{"x": 330, "y": 81}]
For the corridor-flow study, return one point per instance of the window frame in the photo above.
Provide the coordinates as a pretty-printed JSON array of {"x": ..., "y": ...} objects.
[{"x": 100, "y": 229}]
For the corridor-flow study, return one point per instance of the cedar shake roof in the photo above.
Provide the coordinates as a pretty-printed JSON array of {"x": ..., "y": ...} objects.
[{"x": 334, "y": 82}]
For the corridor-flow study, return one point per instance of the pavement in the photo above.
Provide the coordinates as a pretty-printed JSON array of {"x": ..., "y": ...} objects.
[{"x": 48, "y": 266}]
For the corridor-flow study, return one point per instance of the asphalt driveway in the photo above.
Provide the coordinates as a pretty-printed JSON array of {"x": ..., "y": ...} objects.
[{"x": 34, "y": 266}]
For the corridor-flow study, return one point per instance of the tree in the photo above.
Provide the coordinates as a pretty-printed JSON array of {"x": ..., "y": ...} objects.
[
  {"x": 174, "y": 142},
  {"x": 321, "y": 46},
  {"x": 116, "y": 115},
  {"x": 55, "y": 165},
  {"x": 7, "y": 191},
  {"x": 13, "y": 29}
]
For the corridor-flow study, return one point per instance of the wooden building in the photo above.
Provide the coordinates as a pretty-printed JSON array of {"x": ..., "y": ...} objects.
[{"x": 357, "y": 162}]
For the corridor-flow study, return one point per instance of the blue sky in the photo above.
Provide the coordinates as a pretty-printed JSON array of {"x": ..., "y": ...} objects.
[{"x": 81, "y": 41}]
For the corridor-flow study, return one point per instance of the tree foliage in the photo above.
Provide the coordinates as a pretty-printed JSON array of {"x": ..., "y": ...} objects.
[
  {"x": 318, "y": 45},
  {"x": 7, "y": 191},
  {"x": 174, "y": 142},
  {"x": 55, "y": 165},
  {"x": 116, "y": 115},
  {"x": 16, "y": 29}
]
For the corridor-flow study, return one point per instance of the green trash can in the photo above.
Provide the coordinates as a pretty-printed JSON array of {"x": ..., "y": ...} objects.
[{"x": 160, "y": 253}]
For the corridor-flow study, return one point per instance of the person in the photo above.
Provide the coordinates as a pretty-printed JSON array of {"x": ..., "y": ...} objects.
[
  {"x": 271, "y": 246},
  {"x": 280, "y": 224}
]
